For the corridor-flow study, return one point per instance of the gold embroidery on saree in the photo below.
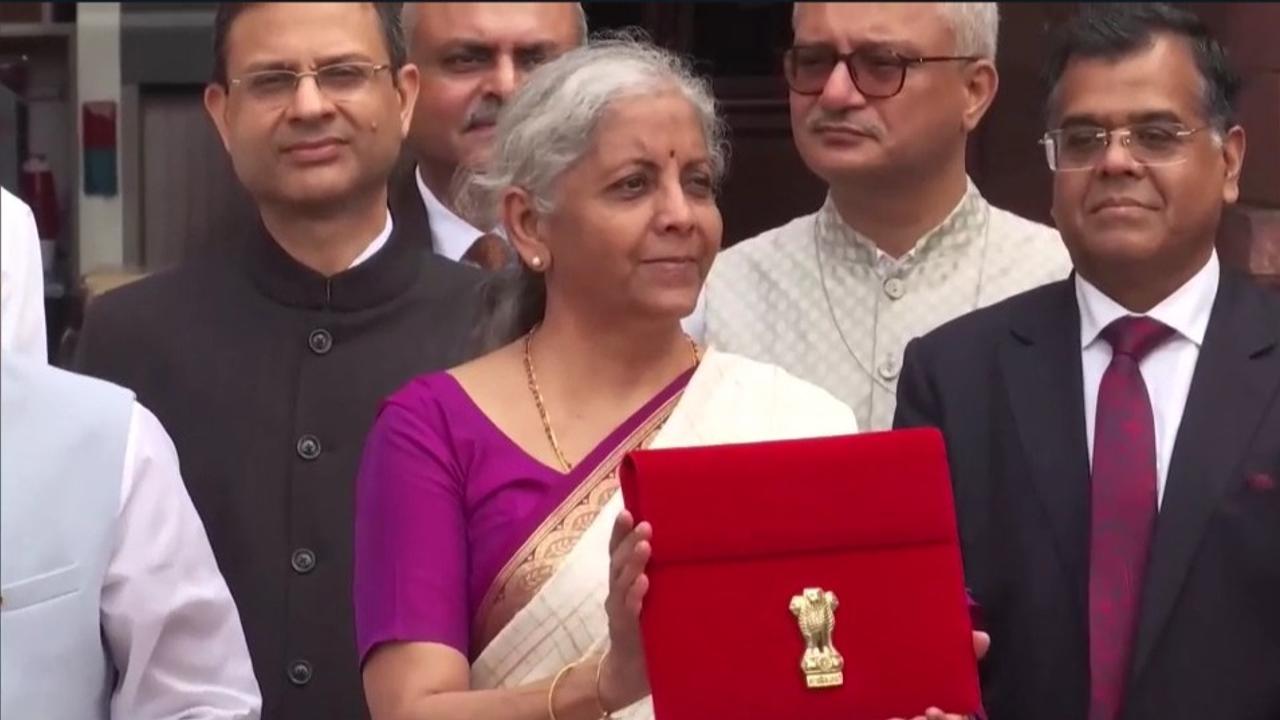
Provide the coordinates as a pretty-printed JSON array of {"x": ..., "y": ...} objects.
[{"x": 540, "y": 556}]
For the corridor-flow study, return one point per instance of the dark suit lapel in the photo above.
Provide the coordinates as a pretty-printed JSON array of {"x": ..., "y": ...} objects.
[
  {"x": 1041, "y": 366},
  {"x": 405, "y": 201},
  {"x": 1234, "y": 380}
]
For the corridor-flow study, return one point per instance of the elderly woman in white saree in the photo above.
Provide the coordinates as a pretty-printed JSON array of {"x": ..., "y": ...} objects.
[{"x": 497, "y": 575}]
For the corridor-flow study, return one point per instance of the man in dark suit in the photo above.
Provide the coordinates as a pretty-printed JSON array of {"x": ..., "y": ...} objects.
[
  {"x": 267, "y": 364},
  {"x": 471, "y": 57},
  {"x": 1114, "y": 439}
]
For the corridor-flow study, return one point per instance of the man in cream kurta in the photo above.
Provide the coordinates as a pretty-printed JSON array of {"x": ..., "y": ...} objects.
[
  {"x": 883, "y": 99},
  {"x": 819, "y": 300}
]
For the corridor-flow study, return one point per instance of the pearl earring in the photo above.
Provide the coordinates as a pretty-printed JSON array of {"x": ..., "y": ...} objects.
[{"x": 536, "y": 261}]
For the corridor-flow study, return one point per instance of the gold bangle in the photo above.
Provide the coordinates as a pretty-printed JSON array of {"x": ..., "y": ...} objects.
[
  {"x": 604, "y": 714},
  {"x": 551, "y": 692}
]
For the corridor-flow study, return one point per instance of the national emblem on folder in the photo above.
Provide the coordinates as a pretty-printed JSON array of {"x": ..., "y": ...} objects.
[{"x": 815, "y": 611}]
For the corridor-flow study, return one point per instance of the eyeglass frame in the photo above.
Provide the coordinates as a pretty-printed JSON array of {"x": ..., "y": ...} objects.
[
  {"x": 904, "y": 62},
  {"x": 1050, "y": 143},
  {"x": 373, "y": 70}
]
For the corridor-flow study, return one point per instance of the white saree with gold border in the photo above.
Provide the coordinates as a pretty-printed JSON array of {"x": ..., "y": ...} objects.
[{"x": 546, "y": 608}]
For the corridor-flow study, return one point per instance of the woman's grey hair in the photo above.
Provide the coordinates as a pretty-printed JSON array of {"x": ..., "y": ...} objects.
[{"x": 547, "y": 127}]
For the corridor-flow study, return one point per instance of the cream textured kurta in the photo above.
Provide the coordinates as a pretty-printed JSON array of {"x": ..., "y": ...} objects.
[{"x": 819, "y": 300}]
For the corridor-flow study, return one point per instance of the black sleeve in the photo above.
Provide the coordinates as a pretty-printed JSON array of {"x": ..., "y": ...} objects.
[
  {"x": 100, "y": 342},
  {"x": 917, "y": 402}
]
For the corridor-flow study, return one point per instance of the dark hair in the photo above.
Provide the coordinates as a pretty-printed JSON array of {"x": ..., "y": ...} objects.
[
  {"x": 1114, "y": 30},
  {"x": 512, "y": 302},
  {"x": 388, "y": 19}
]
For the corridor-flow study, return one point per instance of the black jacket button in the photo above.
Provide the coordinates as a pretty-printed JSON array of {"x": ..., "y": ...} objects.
[
  {"x": 299, "y": 672},
  {"x": 320, "y": 341},
  {"x": 303, "y": 561},
  {"x": 309, "y": 447}
]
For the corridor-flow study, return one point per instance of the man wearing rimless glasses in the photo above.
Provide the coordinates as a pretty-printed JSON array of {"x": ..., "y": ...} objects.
[
  {"x": 1114, "y": 438},
  {"x": 268, "y": 362},
  {"x": 883, "y": 97}
]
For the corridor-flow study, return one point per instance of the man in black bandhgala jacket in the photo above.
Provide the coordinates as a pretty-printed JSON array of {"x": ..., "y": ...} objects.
[{"x": 267, "y": 363}]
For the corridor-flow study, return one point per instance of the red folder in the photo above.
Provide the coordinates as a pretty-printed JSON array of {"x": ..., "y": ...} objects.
[{"x": 739, "y": 530}]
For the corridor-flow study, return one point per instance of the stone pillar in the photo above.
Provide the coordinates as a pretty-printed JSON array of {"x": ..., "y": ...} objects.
[{"x": 100, "y": 221}]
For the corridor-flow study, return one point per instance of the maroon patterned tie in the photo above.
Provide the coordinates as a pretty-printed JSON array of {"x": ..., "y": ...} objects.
[{"x": 1124, "y": 509}]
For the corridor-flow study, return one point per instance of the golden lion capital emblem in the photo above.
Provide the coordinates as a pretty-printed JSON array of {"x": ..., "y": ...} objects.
[{"x": 815, "y": 611}]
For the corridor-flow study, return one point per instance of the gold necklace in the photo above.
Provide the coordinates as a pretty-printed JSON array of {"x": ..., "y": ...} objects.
[{"x": 542, "y": 407}]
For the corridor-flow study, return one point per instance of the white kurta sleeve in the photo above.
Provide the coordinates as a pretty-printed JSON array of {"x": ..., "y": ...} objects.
[
  {"x": 22, "y": 328},
  {"x": 167, "y": 616}
]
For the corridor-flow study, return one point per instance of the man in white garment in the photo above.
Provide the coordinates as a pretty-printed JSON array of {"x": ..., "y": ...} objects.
[
  {"x": 883, "y": 97},
  {"x": 471, "y": 58},
  {"x": 22, "y": 328},
  {"x": 111, "y": 604}
]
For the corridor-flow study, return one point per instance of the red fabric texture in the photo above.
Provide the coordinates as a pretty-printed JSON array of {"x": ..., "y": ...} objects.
[{"x": 739, "y": 530}]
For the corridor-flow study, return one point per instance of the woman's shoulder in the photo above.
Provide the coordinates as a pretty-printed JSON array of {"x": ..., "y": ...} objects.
[
  {"x": 423, "y": 410},
  {"x": 450, "y": 403},
  {"x": 448, "y": 389},
  {"x": 740, "y": 369},
  {"x": 775, "y": 389},
  {"x": 424, "y": 391}
]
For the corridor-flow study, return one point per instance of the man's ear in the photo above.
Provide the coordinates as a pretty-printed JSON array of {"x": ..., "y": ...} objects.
[
  {"x": 981, "y": 81},
  {"x": 1233, "y": 146},
  {"x": 215, "y": 103},
  {"x": 407, "y": 84}
]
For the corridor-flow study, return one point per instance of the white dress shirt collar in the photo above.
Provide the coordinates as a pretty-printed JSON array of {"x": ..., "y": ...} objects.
[
  {"x": 1186, "y": 310},
  {"x": 377, "y": 243},
  {"x": 451, "y": 236}
]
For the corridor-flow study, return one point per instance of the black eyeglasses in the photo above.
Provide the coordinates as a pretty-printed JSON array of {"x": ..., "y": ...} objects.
[{"x": 878, "y": 74}]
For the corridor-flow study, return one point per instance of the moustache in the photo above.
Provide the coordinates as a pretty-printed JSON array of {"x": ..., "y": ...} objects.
[
  {"x": 483, "y": 112},
  {"x": 820, "y": 121}
]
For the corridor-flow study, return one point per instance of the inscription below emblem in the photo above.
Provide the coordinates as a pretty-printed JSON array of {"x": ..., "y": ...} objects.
[{"x": 822, "y": 664}]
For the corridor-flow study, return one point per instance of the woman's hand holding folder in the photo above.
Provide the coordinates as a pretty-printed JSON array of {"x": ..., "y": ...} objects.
[{"x": 623, "y": 678}]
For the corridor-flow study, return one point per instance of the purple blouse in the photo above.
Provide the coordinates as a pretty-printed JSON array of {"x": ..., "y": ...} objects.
[{"x": 443, "y": 499}]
